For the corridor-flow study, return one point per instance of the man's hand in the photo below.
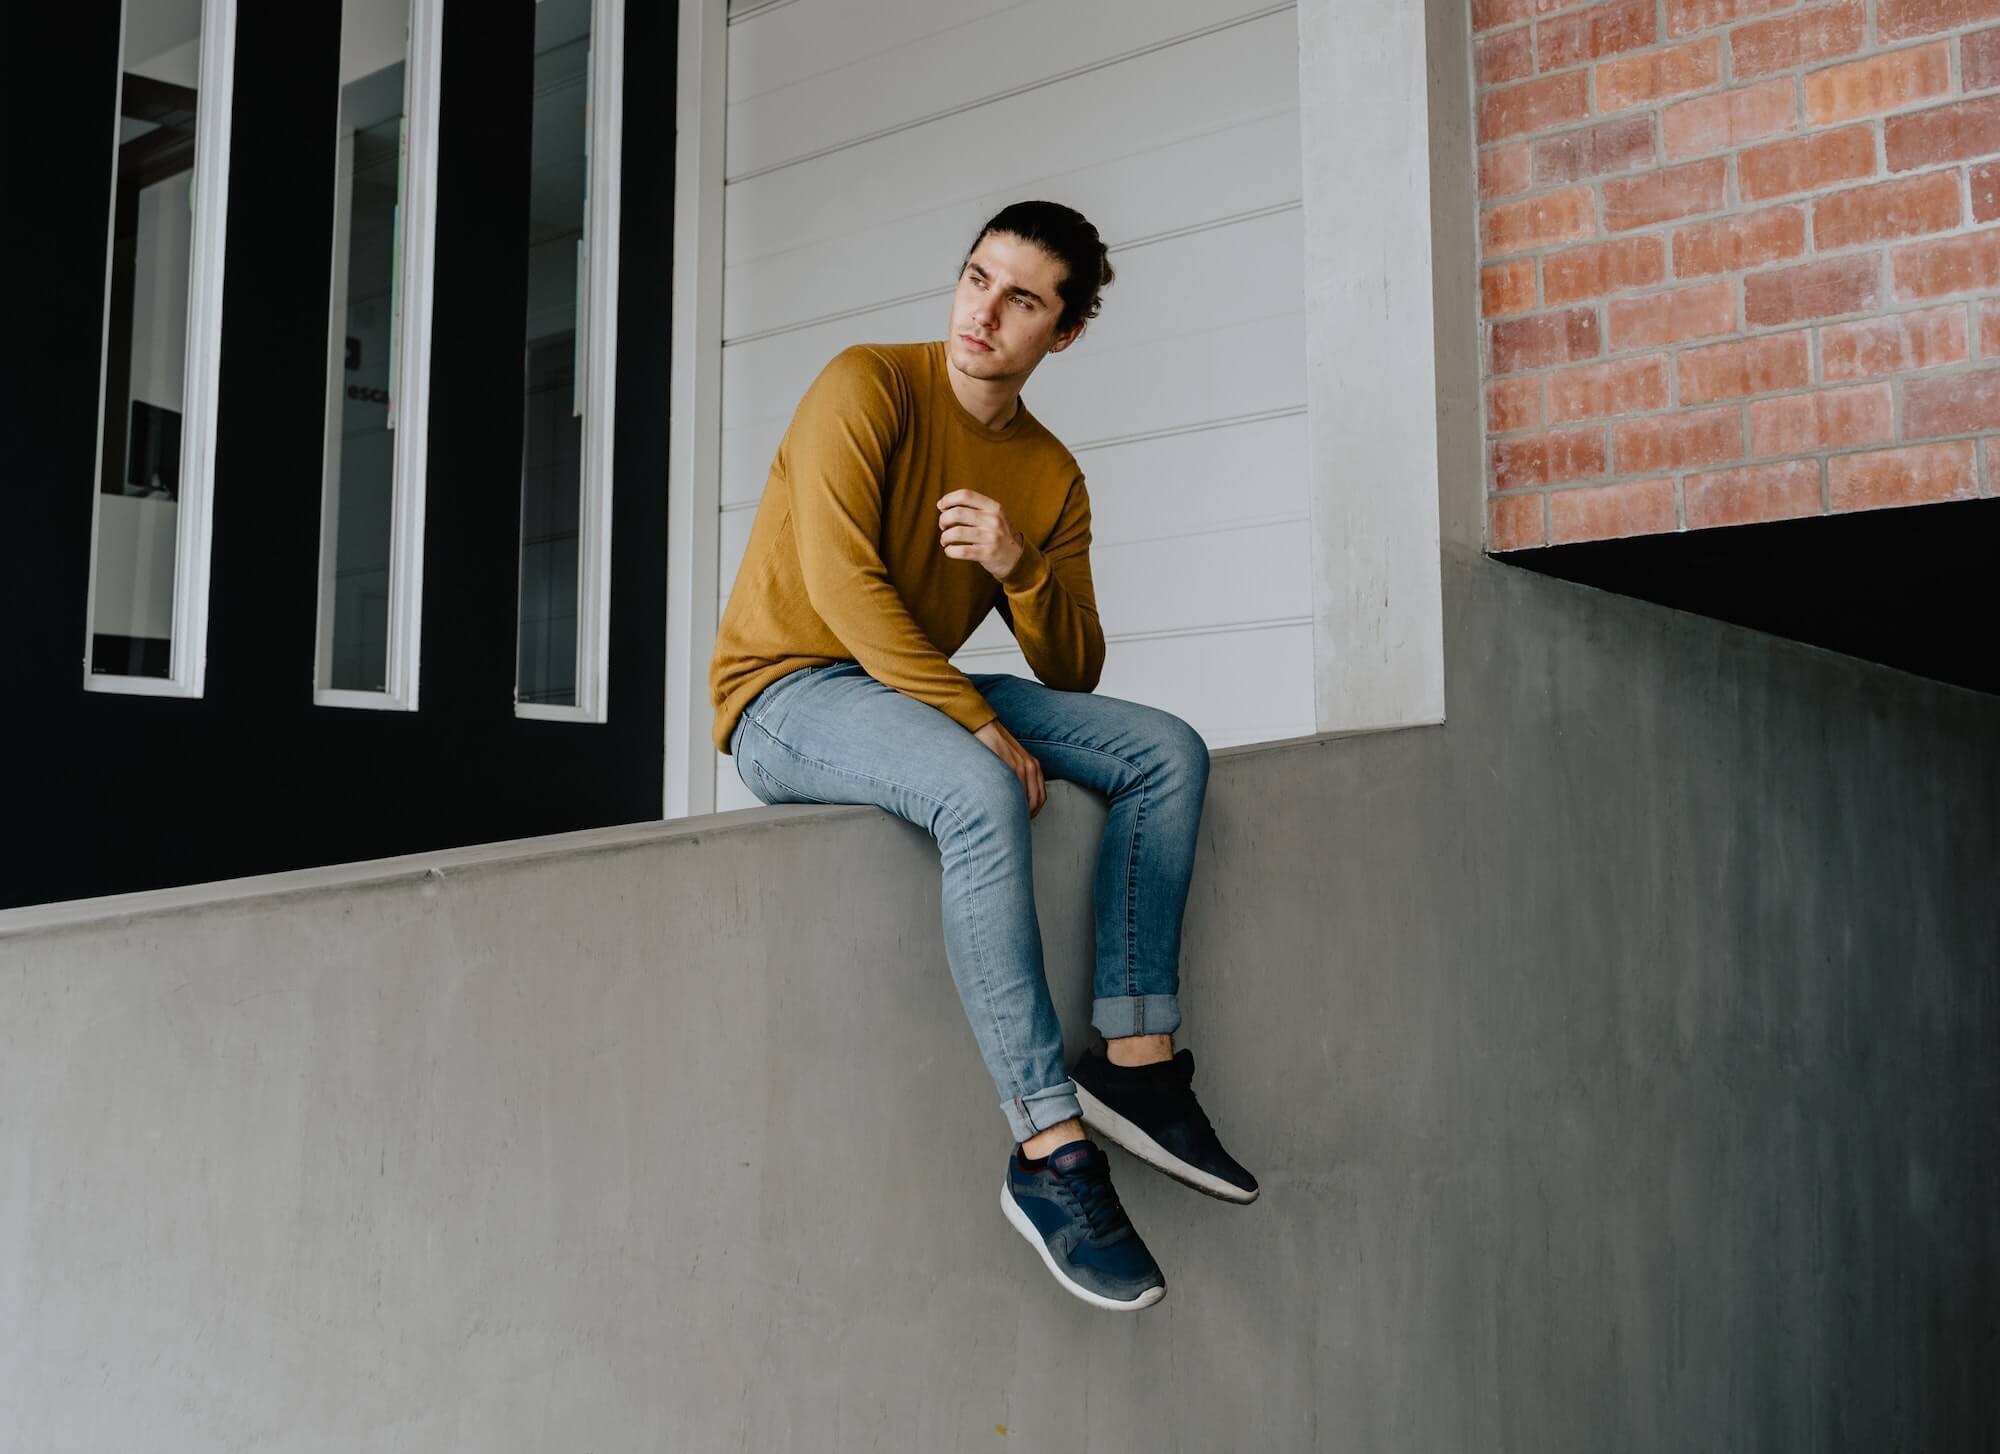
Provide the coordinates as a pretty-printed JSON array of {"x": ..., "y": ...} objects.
[
  {"x": 1023, "y": 762},
  {"x": 972, "y": 526}
]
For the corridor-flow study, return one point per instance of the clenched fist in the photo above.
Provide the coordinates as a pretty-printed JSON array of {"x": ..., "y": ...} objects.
[{"x": 972, "y": 526}]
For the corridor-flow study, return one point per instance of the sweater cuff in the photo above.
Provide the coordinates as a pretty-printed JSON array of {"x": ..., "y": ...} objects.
[
  {"x": 972, "y": 711},
  {"x": 1029, "y": 571}
]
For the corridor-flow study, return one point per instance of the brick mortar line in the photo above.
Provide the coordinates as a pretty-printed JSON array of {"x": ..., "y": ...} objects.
[
  {"x": 1666, "y": 228},
  {"x": 1742, "y": 332},
  {"x": 1742, "y": 207},
  {"x": 1823, "y": 457},
  {"x": 1895, "y": 378},
  {"x": 1657, "y": 105},
  {"x": 1833, "y": 321},
  {"x": 1641, "y": 113},
  {"x": 1872, "y": 48},
  {"x": 1825, "y": 511},
  {"x": 1719, "y": 86},
  {"x": 1870, "y": 28},
  {"x": 1974, "y": 359},
  {"x": 1896, "y": 386}
]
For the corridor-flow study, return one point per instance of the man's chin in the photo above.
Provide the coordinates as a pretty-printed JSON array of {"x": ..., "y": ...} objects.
[{"x": 973, "y": 362}]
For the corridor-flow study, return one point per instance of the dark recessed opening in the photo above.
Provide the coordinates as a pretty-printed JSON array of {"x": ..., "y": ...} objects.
[{"x": 1913, "y": 588}]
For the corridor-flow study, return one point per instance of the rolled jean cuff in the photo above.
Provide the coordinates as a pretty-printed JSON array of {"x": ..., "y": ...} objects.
[
  {"x": 1039, "y": 1110},
  {"x": 1136, "y": 1015}
]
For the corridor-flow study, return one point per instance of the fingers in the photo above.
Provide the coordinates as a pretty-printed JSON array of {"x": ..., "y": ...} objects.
[
  {"x": 1029, "y": 770},
  {"x": 971, "y": 515},
  {"x": 1025, "y": 766},
  {"x": 1038, "y": 791}
]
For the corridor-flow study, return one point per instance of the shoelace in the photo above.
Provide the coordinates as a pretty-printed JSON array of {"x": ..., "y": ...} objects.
[{"x": 1090, "y": 1184}]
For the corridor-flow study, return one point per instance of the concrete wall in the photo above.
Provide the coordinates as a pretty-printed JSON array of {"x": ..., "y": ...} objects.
[{"x": 1619, "y": 1059}]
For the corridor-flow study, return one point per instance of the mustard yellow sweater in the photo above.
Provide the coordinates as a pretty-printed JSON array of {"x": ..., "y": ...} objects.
[{"x": 844, "y": 562}]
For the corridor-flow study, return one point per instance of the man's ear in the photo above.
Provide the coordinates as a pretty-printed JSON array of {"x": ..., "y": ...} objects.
[{"x": 1064, "y": 340}]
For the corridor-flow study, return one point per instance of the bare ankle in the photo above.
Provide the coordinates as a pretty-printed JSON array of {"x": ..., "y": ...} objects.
[
  {"x": 1061, "y": 1134},
  {"x": 1139, "y": 1049}
]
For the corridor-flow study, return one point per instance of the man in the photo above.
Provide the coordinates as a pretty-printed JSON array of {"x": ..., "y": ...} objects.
[{"x": 912, "y": 494}]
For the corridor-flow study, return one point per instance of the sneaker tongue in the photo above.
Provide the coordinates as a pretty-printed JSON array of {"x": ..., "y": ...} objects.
[{"x": 1075, "y": 1154}]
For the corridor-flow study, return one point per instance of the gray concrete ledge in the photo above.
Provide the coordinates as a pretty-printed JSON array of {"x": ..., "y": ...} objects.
[{"x": 438, "y": 863}]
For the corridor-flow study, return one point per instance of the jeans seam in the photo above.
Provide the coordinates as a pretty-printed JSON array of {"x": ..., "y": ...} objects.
[
  {"x": 983, "y": 979},
  {"x": 1132, "y": 898},
  {"x": 1131, "y": 861}
]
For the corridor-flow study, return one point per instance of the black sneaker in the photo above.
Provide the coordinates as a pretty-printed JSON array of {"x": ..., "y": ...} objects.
[
  {"x": 1070, "y": 1214},
  {"x": 1151, "y": 1111}
]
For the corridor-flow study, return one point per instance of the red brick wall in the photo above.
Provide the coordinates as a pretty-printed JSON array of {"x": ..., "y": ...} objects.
[{"x": 1739, "y": 260}]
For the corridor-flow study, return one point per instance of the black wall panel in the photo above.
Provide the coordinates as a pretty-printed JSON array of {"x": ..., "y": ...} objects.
[{"x": 109, "y": 793}]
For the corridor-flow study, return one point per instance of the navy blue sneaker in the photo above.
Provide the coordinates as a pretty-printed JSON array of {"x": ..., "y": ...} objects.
[
  {"x": 1070, "y": 1214},
  {"x": 1151, "y": 1111}
]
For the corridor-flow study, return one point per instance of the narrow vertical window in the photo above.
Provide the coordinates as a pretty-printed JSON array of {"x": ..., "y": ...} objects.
[
  {"x": 378, "y": 375},
  {"x": 568, "y": 360},
  {"x": 147, "y": 614}
]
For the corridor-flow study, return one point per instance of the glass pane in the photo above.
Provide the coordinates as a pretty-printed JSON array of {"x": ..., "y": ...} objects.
[
  {"x": 145, "y": 356},
  {"x": 360, "y": 462},
  {"x": 552, "y": 433}
]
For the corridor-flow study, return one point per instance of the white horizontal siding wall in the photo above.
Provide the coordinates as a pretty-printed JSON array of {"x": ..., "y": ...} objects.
[{"x": 866, "y": 141}]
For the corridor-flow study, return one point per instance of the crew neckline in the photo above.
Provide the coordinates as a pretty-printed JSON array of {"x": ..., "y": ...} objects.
[{"x": 941, "y": 380}]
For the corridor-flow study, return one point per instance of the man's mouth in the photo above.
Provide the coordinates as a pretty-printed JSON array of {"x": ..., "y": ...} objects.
[{"x": 976, "y": 342}]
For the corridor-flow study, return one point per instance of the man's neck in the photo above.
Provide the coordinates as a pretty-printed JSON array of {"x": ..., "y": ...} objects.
[{"x": 993, "y": 402}]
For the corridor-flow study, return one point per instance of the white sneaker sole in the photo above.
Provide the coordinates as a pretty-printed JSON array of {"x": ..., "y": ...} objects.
[
  {"x": 1097, "y": 1300},
  {"x": 1100, "y": 1117}
]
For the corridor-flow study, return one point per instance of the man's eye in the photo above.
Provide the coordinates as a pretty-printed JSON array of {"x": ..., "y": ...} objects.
[{"x": 1022, "y": 301}]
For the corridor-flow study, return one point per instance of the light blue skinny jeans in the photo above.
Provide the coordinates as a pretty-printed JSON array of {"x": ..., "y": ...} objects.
[{"x": 833, "y": 734}]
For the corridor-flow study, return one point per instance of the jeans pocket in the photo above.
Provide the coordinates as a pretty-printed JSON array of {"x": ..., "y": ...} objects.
[{"x": 759, "y": 707}]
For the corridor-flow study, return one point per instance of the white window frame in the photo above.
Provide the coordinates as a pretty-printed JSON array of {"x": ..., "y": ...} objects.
[
  {"x": 409, "y": 384},
  {"x": 694, "y": 407},
  {"x": 194, "y": 532},
  {"x": 597, "y": 373}
]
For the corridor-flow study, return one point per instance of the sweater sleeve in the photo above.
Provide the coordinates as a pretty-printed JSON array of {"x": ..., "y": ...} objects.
[
  {"x": 1050, "y": 604},
  {"x": 838, "y": 450}
]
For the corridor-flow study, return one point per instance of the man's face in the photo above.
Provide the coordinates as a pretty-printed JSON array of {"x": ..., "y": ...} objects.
[{"x": 1004, "y": 312}]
